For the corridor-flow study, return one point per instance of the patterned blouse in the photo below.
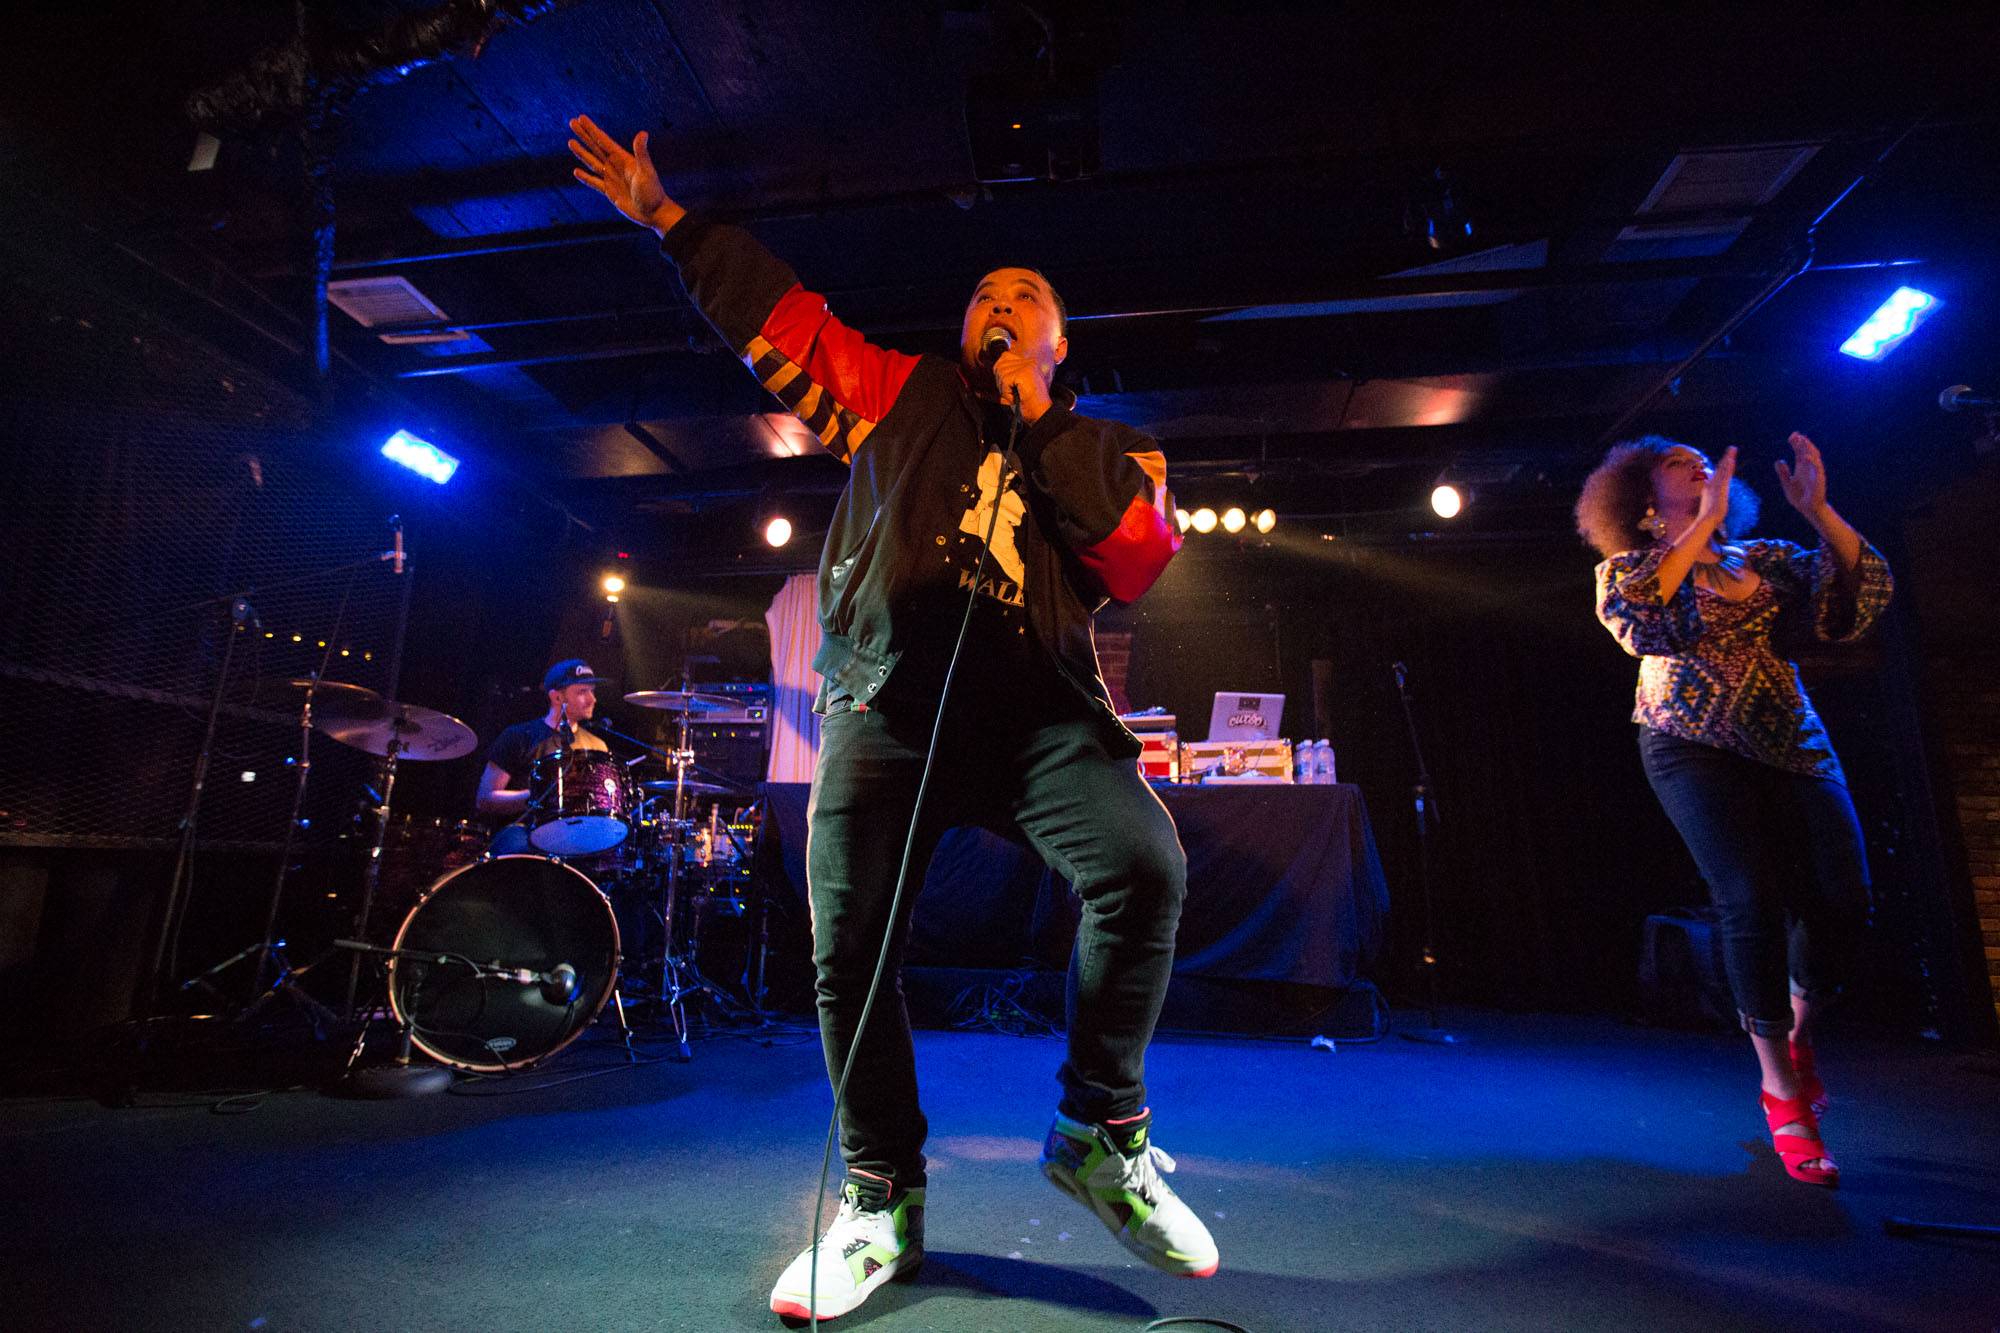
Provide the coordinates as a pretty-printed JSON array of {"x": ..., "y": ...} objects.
[{"x": 1711, "y": 670}]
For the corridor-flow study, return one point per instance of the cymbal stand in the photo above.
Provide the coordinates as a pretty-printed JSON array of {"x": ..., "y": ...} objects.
[
  {"x": 373, "y": 876},
  {"x": 673, "y": 985},
  {"x": 304, "y": 767},
  {"x": 178, "y": 888}
]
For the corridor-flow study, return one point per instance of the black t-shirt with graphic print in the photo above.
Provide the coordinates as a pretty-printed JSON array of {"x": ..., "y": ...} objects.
[{"x": 1002, "y": 659}]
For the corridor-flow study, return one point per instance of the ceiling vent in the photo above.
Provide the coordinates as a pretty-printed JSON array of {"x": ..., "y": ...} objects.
[
  {"x": 389, "y": 304},
  {"x": 1727, "y": 180}
]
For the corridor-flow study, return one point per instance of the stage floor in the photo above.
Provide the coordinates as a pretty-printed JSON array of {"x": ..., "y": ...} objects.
[{"x": 1549, "y": 1173}]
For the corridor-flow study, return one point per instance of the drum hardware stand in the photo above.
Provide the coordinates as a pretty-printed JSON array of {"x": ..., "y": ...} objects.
[
  {"x": 372, "y": 877},
  {"x": 284, "y": 985},
  {"x": 243, "y": 616},
  {"x": 271, "y": 941},
  {"x": 1427, "y": 816},
  {"x": 241, "y": 613},
  {"x": 680, "y": 977}
]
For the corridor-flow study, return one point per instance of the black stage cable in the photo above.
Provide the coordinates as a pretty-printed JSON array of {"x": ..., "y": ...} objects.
[
  {"x": 1007, "y": 473},
  {"x": 1205, "y": 1320}
]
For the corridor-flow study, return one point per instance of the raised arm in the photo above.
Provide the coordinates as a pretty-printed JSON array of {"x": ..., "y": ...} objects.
[
  {"x": 823, "y": 371},
  {"x": 626, "y": 177}
]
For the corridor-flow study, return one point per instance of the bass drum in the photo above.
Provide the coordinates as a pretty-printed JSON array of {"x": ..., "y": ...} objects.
[{"x": 513, "y": 912}]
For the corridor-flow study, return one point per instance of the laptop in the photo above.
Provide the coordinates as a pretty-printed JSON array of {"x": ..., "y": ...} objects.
[{"x": 1238, "y": 716}]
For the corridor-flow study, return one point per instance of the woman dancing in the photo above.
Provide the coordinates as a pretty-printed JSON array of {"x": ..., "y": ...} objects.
[{"x": 1732, "y": 747}]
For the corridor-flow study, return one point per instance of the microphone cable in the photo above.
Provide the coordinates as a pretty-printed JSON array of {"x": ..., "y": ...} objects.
[{"x": 1007, "y": 474}]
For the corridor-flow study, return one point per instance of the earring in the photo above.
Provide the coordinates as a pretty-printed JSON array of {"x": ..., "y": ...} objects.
[{"x": 1654, "y": 524}]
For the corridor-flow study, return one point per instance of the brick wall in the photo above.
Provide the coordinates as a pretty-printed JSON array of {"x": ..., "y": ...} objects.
[
  {"x": 1967, "y": 691},
  {"x": 1114, "y": 659},
  {"x": 1951, "y": 578}
]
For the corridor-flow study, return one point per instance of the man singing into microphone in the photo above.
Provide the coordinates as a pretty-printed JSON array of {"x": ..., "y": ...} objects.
[{"x": 1078, "y": 512}]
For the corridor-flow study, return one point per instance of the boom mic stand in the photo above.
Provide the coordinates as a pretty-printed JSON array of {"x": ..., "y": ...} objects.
[{"x": 1427, "y": 816}]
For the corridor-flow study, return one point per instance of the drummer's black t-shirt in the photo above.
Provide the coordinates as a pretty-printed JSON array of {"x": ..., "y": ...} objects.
[{"x": 516, "y": 749}]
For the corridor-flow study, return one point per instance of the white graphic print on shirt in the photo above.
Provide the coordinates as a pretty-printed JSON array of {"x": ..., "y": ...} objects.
[{"x": 1006, "y": 586}]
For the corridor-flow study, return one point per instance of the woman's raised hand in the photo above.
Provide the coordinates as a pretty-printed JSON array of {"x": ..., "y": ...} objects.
[
  {"x": 1714, "y": 505},
  {"x": 1804, "y": 480}
]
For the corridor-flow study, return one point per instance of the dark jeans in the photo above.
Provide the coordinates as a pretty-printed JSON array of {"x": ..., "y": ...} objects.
[
  {"x": 1785, "y": 865},
  {"x": 1047, "y": 772}
]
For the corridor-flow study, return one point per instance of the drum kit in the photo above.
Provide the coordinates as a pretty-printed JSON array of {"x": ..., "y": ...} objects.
[{"x": 497, "y": 957}]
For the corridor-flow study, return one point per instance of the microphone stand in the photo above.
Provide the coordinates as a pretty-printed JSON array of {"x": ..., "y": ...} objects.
[
  {"x": 400, "y": 1078},
  {"x": 1427, "y": 815}
]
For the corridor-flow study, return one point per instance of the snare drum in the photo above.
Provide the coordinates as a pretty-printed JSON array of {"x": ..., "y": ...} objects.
[{"x": 582, "y": 803}]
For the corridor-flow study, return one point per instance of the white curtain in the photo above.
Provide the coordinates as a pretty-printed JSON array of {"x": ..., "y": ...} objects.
[{"x": 794, "y": 623}]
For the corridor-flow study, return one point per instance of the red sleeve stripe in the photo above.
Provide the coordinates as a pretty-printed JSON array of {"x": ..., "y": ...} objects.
[
  {"x": 835, "y": 380},
  {"x": 1128, "y": 561}
]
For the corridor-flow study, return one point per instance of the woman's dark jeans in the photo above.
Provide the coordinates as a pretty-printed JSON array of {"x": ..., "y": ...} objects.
[{"x": 1785, "y": 865}]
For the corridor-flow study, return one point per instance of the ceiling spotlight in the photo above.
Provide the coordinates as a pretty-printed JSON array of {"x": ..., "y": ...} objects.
[
  {"x": 1233, "y": 519},
  {"x": 778, "y": 531},
  {"x": 1183, "y": 518},
  {"x": 614, "y": 583},
  {"x": 1894, "y": 320},
  {"x": 1264, "y": 520},
  {"x": 1203, "y": 519},
  {"x": 611, "y": 597},
  {"x": 1447, "y": 501},
  {"x": 419, "y": 456}
]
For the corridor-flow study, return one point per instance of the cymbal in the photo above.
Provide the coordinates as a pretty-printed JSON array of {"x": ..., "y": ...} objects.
[
  {"x": 693, "y": 787},
  {"x": 375, "y": 725},
  {"x": 324, "y": 691},
  {"x": 682, "y": 701}
]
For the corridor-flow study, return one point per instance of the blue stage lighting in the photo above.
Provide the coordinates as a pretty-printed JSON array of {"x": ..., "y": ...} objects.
[
  {"x": 1894, "y": 320},
  {"x": 420, "y": 456}
]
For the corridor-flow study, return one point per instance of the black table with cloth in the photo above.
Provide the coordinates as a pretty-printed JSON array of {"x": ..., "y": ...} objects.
[{"x": 1284, "y": 885}]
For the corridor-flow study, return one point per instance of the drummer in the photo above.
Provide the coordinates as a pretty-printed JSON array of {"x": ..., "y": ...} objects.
[{"x": 571, "y": 687}]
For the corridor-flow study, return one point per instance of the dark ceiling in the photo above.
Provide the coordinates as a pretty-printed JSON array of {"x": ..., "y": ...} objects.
[{"x": 1322, "y": 252}]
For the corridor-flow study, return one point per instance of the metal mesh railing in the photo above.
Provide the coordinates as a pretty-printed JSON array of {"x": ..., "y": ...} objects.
[{"x": 153, "y": 479}]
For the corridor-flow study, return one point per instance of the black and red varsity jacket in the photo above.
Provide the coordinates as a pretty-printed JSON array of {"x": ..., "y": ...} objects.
[{"x": 1099, "y": 522}]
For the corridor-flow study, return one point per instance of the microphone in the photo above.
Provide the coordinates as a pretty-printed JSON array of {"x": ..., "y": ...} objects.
[
  {"x": 1401, "y": 671},
  {"x": 1960, "y": 396},
  {"x": 995, "y": 341},
  {"x": 559, "y": 985}
]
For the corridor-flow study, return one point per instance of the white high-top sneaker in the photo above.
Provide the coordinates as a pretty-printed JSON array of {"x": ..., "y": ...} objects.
[
  {"x": 1119, "y": 1180},
  {"x": 865, "y": 1247}
]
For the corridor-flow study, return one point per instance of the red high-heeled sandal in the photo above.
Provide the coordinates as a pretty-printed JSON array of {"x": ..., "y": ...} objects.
[
  {"x": 1810, "y": 1087},
  {"x": 1795, "y": 1150}
]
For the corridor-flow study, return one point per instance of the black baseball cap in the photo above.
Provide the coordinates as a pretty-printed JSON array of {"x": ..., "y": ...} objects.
[{"x": 571, "y": 671}]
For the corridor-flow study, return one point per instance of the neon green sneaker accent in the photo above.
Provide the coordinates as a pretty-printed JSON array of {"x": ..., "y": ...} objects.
[{"x": 1127, "y": 1194}]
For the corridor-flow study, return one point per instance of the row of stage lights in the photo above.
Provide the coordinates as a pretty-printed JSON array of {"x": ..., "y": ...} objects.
[
  {"x": 1232, "y": 520},
  {"x": 1447, "y": 501}
]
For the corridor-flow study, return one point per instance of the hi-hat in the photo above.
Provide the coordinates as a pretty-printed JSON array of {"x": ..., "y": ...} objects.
[
  {"x": 378, "y": 725},
  {"x": 683, "y": 701}
]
